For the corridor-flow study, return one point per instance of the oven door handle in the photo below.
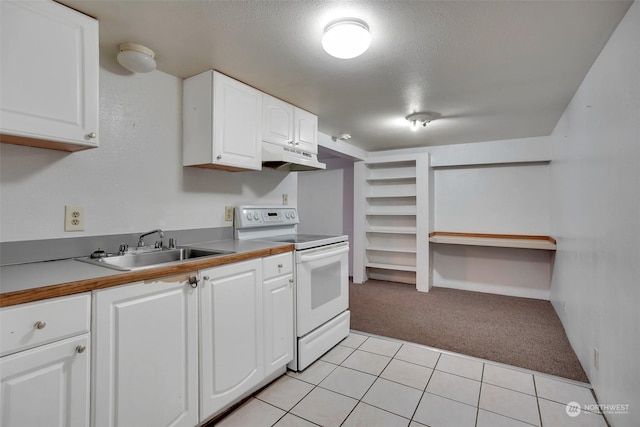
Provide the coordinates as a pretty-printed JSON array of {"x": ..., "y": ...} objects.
[{"x": 323, "y": 254}]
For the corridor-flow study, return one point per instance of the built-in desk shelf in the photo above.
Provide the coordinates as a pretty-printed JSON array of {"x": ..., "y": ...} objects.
[{"x": 522, "y": 241}]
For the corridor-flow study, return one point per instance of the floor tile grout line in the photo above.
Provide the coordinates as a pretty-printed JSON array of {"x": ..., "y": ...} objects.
[
  {"x": 511, "y": 418},
  {"x": 480, "y": 394},
  {"x": 487, "y": 361},
  {"x": 482, "y": 382},
  {"x": 368, "y": 389}
]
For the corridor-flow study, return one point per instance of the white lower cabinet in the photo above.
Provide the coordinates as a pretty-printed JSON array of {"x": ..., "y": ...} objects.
[
  {"x": 278, "y": 311},
  {"x": 146, "y": 354},
  {"x": 231, "y": 334},
  {"x": 44, "y": 371},
  {"x": 47, "y": 386}
]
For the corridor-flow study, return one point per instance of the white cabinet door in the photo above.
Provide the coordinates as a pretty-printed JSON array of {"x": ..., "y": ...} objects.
[
  {"x": 47, "y": 386},
  {"x": 278, "y": 322},
  {"x": 277, "y": 121},
  {"x": 146, "y": 354},
  {"x": 49, "y": 76},
  {"x": 288, "y": 125},
  {"x": 222, "y": 123},
  {"x": 306, "y": 131},
  {"x": 231, "y": 334}
]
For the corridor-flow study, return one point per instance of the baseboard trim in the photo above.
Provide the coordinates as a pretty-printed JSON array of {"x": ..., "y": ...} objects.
[{"x": 512, "y": 291}]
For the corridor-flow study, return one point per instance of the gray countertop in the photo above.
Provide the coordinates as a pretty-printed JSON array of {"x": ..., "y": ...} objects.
[{"x": 32, "y": 276}]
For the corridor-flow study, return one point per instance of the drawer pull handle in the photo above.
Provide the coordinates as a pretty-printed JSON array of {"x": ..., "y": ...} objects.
[
  {"x": 280, "y": 266},
  {"x": 40, "y": 324},
  {"x": 91, "y": 135},
  {"x": 80, "y": 349}
]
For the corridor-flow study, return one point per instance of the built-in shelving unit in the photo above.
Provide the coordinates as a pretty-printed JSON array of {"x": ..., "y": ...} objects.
[
  {"x": 523, "y": 241},
  {"x": 391, "y": 219}
]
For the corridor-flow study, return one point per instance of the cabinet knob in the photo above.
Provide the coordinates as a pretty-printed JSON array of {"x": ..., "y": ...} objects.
[
  {"x": 205, "y": 277},
  {"x": 291, "y": 281},
  {"x": 193, "y": 281},
  {"x": 219, "y": 157},
  {"x": 280, "y": 265},
  {"x": 80, "y": 349},
  {"x": 91, "y": 135},
  {"x": 40, "y": 324}
]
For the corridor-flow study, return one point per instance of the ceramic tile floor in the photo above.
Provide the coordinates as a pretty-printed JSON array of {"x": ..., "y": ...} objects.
[{"x": 373, "y": 381}]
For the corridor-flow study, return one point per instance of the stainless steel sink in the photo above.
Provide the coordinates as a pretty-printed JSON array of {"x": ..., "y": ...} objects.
[{"x": 156, "y": 258}]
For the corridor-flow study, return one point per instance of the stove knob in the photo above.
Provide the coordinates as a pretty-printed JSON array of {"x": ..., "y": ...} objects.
[
  {"x": 249, "y": 216},
  {"x": 287, "y": 215},
  {"x": 255, "y": 216},
  {"x": 293, "y": 215}
]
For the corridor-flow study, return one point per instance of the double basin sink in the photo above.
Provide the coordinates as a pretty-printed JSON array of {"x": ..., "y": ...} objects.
[{"x": 153, "y": 258}]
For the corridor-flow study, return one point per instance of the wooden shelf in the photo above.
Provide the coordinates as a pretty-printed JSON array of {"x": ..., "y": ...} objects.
[
  {"x": 391, "y": 266},
  {"x": 397, "y": 178},
  {"x": 391, "y": 230},
  {"x": 523, "y": 241},
  {"x": 384, "y": 249},
  {"x": 402, "y": 211},
  {"x": 397, "y": 194}
]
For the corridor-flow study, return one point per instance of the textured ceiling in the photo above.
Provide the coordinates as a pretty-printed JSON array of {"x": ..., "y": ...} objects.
[{"x": 493, "y": 69}]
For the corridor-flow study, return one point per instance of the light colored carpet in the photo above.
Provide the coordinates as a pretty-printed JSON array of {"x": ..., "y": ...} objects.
[{"x": 521, "y": 332}]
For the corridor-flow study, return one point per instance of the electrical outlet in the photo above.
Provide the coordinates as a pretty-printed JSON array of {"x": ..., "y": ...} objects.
[
  {"x": 73, "y": 218},
  {"x": 596, "y": 358},
  {"x": 285, "y": 199},
  {"x": 228, "y": 213}
]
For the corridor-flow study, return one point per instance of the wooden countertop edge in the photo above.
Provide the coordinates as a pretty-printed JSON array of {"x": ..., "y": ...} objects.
[
  {"x": 70, "y": 288},
  {"x": 493, "y": 236}
]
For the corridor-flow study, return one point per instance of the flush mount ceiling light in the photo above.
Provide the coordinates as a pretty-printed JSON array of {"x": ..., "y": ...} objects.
[
  {"x": 421, "y": 119},
  {"x": 346, "y": 38},
  {"x": 136, "y": 58}
]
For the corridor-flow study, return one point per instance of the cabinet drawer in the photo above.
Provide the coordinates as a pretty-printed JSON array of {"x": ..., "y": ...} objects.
[
  {"x": 277, "y": 265},
  {"x": 29, "y": 325}
]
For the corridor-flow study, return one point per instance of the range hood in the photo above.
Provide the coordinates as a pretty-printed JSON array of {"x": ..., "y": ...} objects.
[{"x": 279, "y": 157}]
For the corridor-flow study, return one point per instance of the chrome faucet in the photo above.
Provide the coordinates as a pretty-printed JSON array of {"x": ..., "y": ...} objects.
[{"x": 142, "y": 236}]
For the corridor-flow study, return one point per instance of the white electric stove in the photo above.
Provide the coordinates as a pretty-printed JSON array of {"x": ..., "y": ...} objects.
[{"x": 321, "y": 277}]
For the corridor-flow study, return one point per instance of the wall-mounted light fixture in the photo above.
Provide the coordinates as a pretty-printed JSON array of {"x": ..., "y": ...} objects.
[
  {"x": 421, "y": 119},
  {"x": 346, "y": 38},
  {"x": 136, "y": 58}
]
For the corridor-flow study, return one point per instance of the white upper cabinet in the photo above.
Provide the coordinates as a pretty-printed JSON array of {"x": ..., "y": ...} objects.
[
  {"x": 222, "y": 126},
  {"x": 288, "y": 125},
  {"x": 306, "y": 131},
  {"x": 277, "y": 121},
  {"x": 49, "y": 76}
]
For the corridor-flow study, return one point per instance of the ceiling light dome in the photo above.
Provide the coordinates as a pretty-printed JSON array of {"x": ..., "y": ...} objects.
[
  {"x": 136, "y": 58},
  {"x": 346, "y": 38}
]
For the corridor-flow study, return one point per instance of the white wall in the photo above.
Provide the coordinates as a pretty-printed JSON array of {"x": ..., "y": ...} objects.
[
  {"x": 135, "y": 180},
  {"x": 595, "y": 198},
  {"x": 510, "y": 198},
  {"x": 325, "y": 201}
]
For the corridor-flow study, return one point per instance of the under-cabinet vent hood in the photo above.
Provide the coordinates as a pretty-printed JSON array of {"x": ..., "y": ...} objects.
[{"x": 288, "y": 158}]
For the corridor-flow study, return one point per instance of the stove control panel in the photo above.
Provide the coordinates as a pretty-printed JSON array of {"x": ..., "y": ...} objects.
[{"x": 261, "y": 216}]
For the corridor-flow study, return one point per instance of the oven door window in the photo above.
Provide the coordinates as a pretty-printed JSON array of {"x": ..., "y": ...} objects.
[{"x": 322, "y": 286}]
